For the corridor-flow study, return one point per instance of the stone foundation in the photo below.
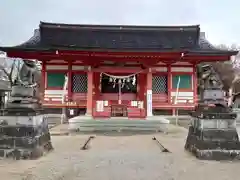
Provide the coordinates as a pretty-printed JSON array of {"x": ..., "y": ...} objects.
[
  {"x": 88, "y": 124},
  {"x": 24, "y": 137}
]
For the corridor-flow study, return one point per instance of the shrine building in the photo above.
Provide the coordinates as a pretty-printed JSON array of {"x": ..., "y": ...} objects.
[{"x": 119, "y": 71}]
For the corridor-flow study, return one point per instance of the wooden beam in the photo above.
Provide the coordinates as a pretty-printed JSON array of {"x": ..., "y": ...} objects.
[
  {"x": 86, "y": 57},
  {"x": 199, "y": 58},
  {"x": 123, "y": 53},
  {"x": 94, "y": 57},
  {"x": 118, "y": 69}
]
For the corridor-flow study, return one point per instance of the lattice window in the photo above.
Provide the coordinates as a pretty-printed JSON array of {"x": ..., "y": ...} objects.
[
  {"x": 79, "y": 83},
  {"x": 159, "y": 84}
]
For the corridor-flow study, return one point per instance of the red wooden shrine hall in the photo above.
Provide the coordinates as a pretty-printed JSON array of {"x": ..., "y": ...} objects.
[{"x": 132, "y": 71}]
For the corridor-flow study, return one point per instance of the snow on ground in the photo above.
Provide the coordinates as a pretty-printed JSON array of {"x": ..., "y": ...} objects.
[{"x": 133, "y": 157}]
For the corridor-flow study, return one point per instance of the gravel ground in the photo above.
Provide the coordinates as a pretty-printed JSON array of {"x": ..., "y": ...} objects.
[{"x": 135, "y": 157}]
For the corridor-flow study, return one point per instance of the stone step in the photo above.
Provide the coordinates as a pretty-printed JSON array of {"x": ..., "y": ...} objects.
[
  {"x": 125, "y": 122},
  {"x": 118, "y": 125},
  {"x": 116, "y": 128},
  {"x": 81, "y": 124}
]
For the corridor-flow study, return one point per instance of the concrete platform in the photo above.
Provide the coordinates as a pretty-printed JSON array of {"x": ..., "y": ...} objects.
[{"x": 88, "y": 124}]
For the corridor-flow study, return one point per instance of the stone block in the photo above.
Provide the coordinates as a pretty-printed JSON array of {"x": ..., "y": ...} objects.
[{"x": 24, "y": 137}]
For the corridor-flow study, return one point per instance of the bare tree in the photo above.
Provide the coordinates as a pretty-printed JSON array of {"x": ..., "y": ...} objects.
[
  {"x": 229, "y": 72},
  {"x": 8, "y": 69}
]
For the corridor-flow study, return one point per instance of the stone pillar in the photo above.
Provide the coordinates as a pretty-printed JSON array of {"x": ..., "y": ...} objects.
[
  {"x": 149, "y": 93},
  {"x": 89, "y": 92}
]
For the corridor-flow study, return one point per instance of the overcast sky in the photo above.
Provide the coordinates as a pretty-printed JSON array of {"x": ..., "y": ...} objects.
[{"x": 218, "y": 18}]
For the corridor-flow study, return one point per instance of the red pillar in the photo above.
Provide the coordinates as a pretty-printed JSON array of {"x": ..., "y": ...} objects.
[
  {"x": 149, "y": 93},
  {"x": 169, "y": 81},
  {"x": 69, "y": 80},
  {"x": 89, "y": 92},
  {"x": 195, "y": 85},
  {"x": 96, "y": 82},
  {"x": 141, "y": 85},
  {"x": 44, "y": 80}
]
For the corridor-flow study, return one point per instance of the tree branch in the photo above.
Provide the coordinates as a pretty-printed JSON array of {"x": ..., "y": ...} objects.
[{"x": 9, "y": 74}]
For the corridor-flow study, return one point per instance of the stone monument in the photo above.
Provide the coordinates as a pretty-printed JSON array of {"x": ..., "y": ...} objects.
[
  {"x": 212, "y": 133},
  {"x": 24, "y": 132}
]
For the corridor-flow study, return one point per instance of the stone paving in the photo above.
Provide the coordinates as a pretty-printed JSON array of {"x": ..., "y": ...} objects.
[{"x": 119, "y": 157}]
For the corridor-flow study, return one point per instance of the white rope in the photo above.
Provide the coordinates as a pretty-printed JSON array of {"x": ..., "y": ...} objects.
[{"x": 121, "y": 77}]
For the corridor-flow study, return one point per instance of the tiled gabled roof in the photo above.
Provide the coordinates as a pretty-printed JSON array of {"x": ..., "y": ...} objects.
[{"x": 53, "y": 36}]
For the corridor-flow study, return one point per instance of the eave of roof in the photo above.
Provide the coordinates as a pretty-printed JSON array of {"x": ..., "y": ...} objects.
[
  {"x": 207, "y": 49},
  {"x": 119, "y": 27},
  {"x": 204, "y": 48},
  {"x": 37, "y": 43}
]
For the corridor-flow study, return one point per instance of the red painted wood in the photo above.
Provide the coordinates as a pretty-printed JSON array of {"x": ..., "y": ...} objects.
[
  {"x": 92, "y": 53},
  {"x": 55, "y": 63},
  {"x": 141, "y": 84},
  {"x": 79, "y": 96},
  {"x": 105, "y": 114},
  {"x": 160, "y": 98},
  {"x": 173, "y": 107},
  {"x": 44, "y": 74},
  {"x": 134, "y": 112},
  {"x": 79, "y": 72},
  {"x": 195, "y": 85},
  {"x": 119, "y": 70},
  {"x": 172, "y": 65},
  {"x": 54, "y": 88},
  {"x": 57, "y": 70},
  {"x": 183, "y": 90},
  {"x": 70, "y": 80},
  {"x": 96, "y": 83},
  {"x": 90, "y": 93},
  {"x": 149, "y": 80},
  {"x": 182, "y": 73},
  {"x": 95, "y": 56},
  {"x": 114, "y": 96},
  {"x": 207, "y": 58},
  {"x": 159, "y": 73},
  {"x": 169, "y": 85},
  {"x": 68, "y": 54}
]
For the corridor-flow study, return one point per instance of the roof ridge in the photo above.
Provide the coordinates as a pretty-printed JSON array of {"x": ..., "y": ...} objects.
[{"x": 119, "y": 27}]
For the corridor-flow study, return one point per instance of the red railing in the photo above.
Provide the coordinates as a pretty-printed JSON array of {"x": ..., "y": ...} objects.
[
  {"x": 160, "y": 98},
  {"x": 80, "y": 99}
]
